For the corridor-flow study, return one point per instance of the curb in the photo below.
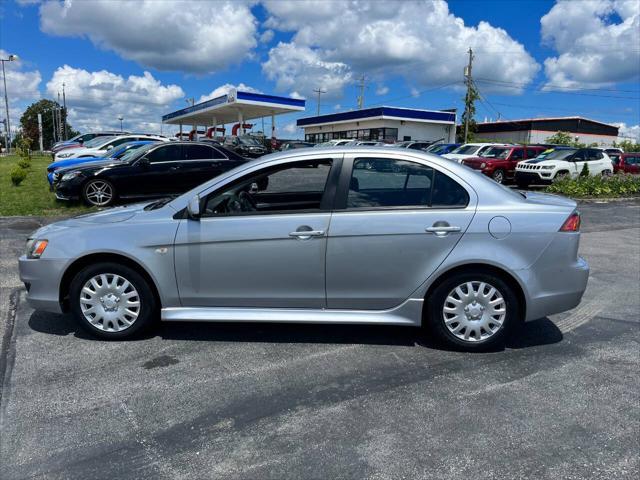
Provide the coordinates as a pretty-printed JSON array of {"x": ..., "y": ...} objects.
[{"x": 606, "y": 199}]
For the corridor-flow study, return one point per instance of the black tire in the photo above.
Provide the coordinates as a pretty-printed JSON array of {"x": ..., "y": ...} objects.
[
  {"x": 88, "y": 192},
  {"x": 147, "y": 309},
  {"x": 435, "y": 318},
  {"x": 499, "y": 176},
  {"x": 561, "y": 175}
]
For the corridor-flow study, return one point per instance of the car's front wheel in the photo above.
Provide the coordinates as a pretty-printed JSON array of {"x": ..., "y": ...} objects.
[
  {"x": 498, "y": 176},
  {"x": 111, "y": 300},
  {"x": 472, "y": 311},
  {"x": 99, "y": 193}
]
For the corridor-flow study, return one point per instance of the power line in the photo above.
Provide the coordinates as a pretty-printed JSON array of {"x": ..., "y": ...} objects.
[
  {"x": 559, "y": 87},
  {"x": 553, "y": 90}
]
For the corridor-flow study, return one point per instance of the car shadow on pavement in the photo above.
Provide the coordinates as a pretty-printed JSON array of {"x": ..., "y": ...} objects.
[{"x": 531, "y": 334}]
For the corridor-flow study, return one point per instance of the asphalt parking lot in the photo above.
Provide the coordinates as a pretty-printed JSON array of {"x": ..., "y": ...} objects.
[{"x": 288, "y": 401}]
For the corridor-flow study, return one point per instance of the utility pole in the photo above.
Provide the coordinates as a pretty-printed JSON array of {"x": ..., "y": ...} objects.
[
  {"x": 64, "y": 114},
  {"x": 319, "y": 91},
  {"x": 468, "y": 100},
  {"x": 59, "y": 109},
  {"x": 361, "y": 85},
  {"x": 40, "y": 132}
]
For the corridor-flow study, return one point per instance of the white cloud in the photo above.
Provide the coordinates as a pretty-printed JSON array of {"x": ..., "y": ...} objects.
[
  {"x": 22, "y": 89},
  {"x": 382, "y": 90},
  {"x": 628, "y": 132},
  {"x": 95, "y": 99},
  {"x": 420, "y": 40},
  {"x": 168, "y": 35},
  {"x": 597, "y": 42},
  {"x": 266, "y": 36},
  {"x": 296, "y": 95},
  {"x": 301, "y": 68},
  {"x": 224, "y": 89},
  {"x": 21, "y": 84},
  {"x": 290, "y": 128}
]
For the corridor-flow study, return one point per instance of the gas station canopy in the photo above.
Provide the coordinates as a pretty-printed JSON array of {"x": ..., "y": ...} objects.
[{"x": 234, "y": 107}]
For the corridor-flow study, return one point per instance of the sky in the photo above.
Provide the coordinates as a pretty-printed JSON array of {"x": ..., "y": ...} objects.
[{"x": 144, "y": 58}]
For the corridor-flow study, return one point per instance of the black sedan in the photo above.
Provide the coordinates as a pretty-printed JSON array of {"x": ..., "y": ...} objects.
[{"x": 154, "y": 170}]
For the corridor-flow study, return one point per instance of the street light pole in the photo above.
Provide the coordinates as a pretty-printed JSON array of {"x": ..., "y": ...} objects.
[
  {"x": 120, "y": 117},
  {"x": 6, "y": 98}
]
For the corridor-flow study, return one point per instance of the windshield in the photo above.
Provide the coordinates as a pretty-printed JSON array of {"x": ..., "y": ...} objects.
[
  {"x": 249, "y": 141},
  {"x": 96, "y": 142},
  {"x": 466, "y": 150},
  {"x": 556, "y": 154},
  {"x": 496, "y": 152}
]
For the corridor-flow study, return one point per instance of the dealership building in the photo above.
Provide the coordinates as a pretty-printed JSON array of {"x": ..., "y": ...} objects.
[
  {"x": 537, "y": 130},
  {"x": 388, "y": 124}
]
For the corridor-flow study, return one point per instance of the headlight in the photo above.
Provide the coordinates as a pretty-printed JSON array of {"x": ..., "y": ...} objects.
[
  {"x": 483, "y": 165},
  {"x": 64, "y": 155},
  {"x": 70, "y": 176},
  {"x": 548, "y": 167},
  {"x": 35, "y": 248}
]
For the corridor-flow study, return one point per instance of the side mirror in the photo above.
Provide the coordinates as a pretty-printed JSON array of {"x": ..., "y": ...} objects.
[{"x": 193, "y": 208}]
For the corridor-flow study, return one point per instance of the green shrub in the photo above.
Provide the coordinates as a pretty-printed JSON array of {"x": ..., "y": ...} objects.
[
  {"x": 24, "y": 164},
  {"x": 585, "y": 170},
  {"x": 18, "y": 174},
  {"x": 619, "y": 185},
  {"x": 24, "y": 148}
]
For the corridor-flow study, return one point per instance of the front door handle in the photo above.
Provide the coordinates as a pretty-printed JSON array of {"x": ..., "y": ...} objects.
[
  {"x": 306, "y": 234},
  {"x": 441, "y": 229}
]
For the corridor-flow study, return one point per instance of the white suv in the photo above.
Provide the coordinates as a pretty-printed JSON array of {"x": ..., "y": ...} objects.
[
  {"x": 469, "y": 150},
  {"x": 99, "y": 145},
  {"x": 559, "y": 162}
]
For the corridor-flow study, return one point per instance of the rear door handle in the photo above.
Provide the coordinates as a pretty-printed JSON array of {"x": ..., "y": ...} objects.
[
  {"x": 305, "y": 234},
  {"x": 440, "y": 229}
]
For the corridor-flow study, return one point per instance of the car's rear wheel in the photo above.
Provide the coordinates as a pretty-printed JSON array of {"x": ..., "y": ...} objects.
[
  {"x": 99, "y": 193},
  {"x": 112, "y": 301},
  {"x": 472, "y": 311},
  {"x": 498, "y": 176}
]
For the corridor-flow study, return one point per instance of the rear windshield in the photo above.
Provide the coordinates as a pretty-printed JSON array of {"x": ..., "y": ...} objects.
[{"x": 496, "y": 152}]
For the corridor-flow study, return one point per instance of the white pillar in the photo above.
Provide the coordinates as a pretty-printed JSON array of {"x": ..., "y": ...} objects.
[
  {"x": 215, "y": 128},
  {"x": 241, "y": 122},
  {"x": 181, "y": 131}
]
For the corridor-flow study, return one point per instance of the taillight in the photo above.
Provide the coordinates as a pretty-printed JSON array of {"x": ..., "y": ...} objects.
[{"x": 571, "y": 224}]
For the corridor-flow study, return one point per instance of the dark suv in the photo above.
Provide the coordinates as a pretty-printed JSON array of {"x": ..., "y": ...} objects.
[
  {"x": 154, "y": 170},
  {"x": 500, "y": 163},
  {"x": 246, "y": 145}
]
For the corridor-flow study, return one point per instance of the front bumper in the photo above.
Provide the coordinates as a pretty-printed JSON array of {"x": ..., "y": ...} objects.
[
  {"x": 42, "y": 277},
  {"x": 532, "y": 177}
]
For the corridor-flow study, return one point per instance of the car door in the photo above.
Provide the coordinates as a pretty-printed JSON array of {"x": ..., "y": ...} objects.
[
  {"x": 632, "y": 164},
  {"x": 157, "y": 171},
  {"x": 391, "y": 229},
  {"x": 576, "y": 162},
  {"x": 261, "y": 240},
  {"x": 201, "y": 163},
  {"x": 516, "y": 156}
]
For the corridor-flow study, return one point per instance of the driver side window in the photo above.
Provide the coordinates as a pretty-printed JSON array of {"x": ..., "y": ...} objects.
[{"x": 291, "y": 188}]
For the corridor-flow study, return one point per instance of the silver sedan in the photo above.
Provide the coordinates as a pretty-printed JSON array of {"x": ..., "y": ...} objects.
[{"x": 327, "y": 235}]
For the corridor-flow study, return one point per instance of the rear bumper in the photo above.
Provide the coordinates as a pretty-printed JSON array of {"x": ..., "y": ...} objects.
[
  {"x": 42, "y": 279},
  {"x": 555, "y": 289}
]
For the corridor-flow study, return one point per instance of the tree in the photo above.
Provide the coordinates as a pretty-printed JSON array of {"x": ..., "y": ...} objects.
[
  {"x": 470, "y": 111},
  {"x": 628, "y": 146},
  {"x": 29, "y": 123},
  {"x": 561, "y": 138}
]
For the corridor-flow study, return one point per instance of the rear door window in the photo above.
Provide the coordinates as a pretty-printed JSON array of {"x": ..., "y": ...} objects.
[
  {"x": 197, "y": 152},
  {"x": 388, "y": 183}
]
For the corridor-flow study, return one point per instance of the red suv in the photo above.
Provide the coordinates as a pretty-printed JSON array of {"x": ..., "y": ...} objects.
[
  {"x": 626, "y": 162},
  {"x": 500, "y": 162}
]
